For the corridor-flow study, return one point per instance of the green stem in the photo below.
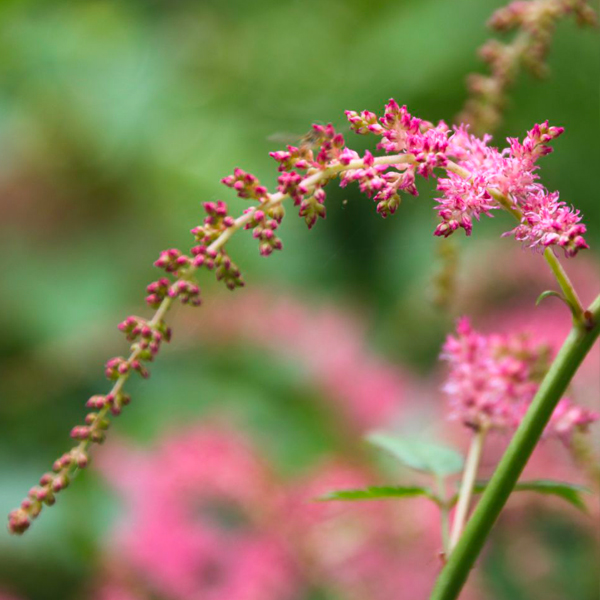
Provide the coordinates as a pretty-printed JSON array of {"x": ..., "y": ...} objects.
[
  {"x": 466, "y": 487},
  {"x": 565, "y": 285},
  {"x": 444, "y": 514},
  {"x": 565, "y": 365}
]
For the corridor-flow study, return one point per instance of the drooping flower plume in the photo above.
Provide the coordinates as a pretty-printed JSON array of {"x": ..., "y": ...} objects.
[{"x": 475, "y": 179}]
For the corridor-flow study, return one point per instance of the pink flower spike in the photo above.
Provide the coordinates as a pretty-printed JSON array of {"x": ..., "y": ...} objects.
[
  {"x": 490, "y": 378},
  {"x": 493, "y": 379}
]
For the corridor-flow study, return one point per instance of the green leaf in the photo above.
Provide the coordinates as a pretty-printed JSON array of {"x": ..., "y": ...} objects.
[
  {"x": 379, "y": 493},
  {"x": 549, "y": 294},
  {"x": 567, "y": 491},
  {"x": 418, "y": 455}
]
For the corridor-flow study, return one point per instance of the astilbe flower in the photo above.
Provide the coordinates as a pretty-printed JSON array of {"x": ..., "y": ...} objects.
[
  {"x": 145, "y": 337},
  {"x": 473, "y": 190},
  {"x": 479, "y": 178},
  {"x": 568, "y": 418},
  {"x": 493, "y": 378},
  {"x": 547, "y": 221},
  {"x": 534, "y": 22}
]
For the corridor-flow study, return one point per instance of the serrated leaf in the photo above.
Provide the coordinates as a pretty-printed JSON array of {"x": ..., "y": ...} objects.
[
  {"x": 567, "y": 491},
  {"x": 378, "y": 493},
  {"x": 418, "y": 455}
]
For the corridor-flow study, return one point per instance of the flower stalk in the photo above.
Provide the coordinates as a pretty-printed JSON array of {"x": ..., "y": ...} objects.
[
  {"x": 77, "y": 458},
  {"x": 568, "y": 290},
  {"x": 444, "y": 507},
  {"x": 533, "y": 23},
  {"x": 467, "y": 485}
]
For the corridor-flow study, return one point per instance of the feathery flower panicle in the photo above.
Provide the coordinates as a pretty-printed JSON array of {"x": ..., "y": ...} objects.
[
  {"x": 547, "y": 222},
  {"x": 476, "y": 174},
  {"x": 489, "y": 377},
  {"x": 478, "y": 179},
  {"x": 493, "y": 378}
]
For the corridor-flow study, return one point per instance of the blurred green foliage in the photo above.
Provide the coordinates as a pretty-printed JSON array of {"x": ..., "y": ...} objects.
[{"x": 118, "y": 118}]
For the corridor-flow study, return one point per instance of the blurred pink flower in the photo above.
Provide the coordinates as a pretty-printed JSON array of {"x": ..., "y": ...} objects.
[
  {"x": 503, "y": 300},
  {"x": 206, "y": 520},
  {"x": 206, "y": 496},
  {"x": 493, "y": 378},
  {"x": 112, "y": 590},
  {"x": 200, "y": 520},
  {"x": 490, "y": 377}
]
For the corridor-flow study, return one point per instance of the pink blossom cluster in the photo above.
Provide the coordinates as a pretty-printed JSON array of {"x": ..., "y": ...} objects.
[
  {"x": 568, "y": 418},
  {"x": 145, "y": 338},
  {"x": 548, "y": 221},
  {"x": 381, "y": 184},
  {"x": 402, "y": 133},
  {"x": 493, "y": 379},
  {"x": 330, "y": 151},
  {"x": 264, "y": 218},
  {"x": 479, "y": 178}
]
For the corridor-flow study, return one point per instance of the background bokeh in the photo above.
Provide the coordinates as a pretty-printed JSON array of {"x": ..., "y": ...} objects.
[{"x": 117, "y": 119}]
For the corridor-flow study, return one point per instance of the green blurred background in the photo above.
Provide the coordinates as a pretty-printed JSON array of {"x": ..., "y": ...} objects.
[{"x": 117, "y": 119}]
